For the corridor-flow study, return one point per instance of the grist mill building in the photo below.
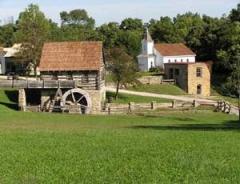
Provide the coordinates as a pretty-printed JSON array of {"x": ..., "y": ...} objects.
[{"x": 71, "y": 79}]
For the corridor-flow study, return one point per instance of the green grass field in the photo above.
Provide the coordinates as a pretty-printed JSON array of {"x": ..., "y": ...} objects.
[
  {"x": 125, "y": 98},
  {"x": 159, "y": 89},
  {"x": 179, "y": 147}
]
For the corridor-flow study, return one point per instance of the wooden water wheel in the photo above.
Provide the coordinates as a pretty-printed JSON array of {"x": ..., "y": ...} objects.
[{"x": 77, "y": 101}]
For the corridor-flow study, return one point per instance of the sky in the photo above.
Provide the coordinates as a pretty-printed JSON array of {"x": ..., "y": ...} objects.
[{"x": 104, "y": 11}]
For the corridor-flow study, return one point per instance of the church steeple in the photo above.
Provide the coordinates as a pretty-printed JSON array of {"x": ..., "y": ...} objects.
[{"x": 147, "y": 36}]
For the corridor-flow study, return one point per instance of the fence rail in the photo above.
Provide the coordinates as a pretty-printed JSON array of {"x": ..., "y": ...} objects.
[
  {"x": 111, "y": 108},
  {"x": 91, "y": 83}
]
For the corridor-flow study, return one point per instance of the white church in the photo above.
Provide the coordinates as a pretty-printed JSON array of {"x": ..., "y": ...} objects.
[{"x": 156, "y": 55}]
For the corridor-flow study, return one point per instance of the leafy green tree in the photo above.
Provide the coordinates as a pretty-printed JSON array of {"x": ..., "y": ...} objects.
[
  {"x": 109, "y": 34},
  {"x": 163, "y": 30},
  {"x": 78, "y": 17},
  {"x": 122, "y": 68},
  {"x": 131, "y": 24},
  {"x": 131, "y": 41},
  {"x": 7, "y": 35},
  {"x": 189, "y": 28},
  {"x": 235, "y": 14},
  {"x": 33, "y": 31},
  {"x": 77, "y": 26}
]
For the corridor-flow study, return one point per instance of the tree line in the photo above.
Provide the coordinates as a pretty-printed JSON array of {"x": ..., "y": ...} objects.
[{"x": 211, "y": 38}]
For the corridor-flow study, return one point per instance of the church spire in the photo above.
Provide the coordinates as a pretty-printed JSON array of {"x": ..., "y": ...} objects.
[{"x": 147, "y": 36}]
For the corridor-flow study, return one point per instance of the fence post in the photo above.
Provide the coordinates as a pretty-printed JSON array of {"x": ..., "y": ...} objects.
[
  {"x": 109, "y": 110},
  {"x": 131, "y": 106},
  {"x": 153, "y": 105},
  {"x": 173, "y": 104},
  {"x": 195, "y": 103}
]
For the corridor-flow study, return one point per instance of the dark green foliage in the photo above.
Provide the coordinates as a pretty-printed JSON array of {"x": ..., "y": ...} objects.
[
  {"x": 7, "y": 38},
  {"x": 132, "y": 24},
  {"x": 78, "y": 17}
]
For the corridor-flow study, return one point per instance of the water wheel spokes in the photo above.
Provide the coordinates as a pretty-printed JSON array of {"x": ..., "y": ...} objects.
[{"x": 77, "y": 99}]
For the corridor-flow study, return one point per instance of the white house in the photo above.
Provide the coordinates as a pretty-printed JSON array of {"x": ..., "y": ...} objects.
[{"x": 156, "y": 55}]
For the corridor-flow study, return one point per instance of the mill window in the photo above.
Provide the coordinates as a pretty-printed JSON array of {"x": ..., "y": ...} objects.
[
  {"x": 177, "y": 72},
  {"x": 199, "y": 72}
]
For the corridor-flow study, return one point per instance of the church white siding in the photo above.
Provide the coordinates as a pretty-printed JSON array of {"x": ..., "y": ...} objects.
[{"x": 179, "y": 59}]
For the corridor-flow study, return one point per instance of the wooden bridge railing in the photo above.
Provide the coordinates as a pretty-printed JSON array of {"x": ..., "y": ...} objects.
[{"x": 91, "y": 83}]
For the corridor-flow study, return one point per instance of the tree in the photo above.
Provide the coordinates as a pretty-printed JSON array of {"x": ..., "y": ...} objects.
[
  {"x": 7, "y": 35},
  {"x": 122, "y": 68},
  {"x": 163, "y": 30},
  {"x": 77, "y": 26},
  {"x": 131, "y": 41},
  {"x": 33, "y": 31},
  {"x": 78, "y": 17},
  {"x": 235, "y": 14},
  {"x": 131, "y": 24},
  {"x": 189, "y": 28},
  {"x": 109, "y": 34}
]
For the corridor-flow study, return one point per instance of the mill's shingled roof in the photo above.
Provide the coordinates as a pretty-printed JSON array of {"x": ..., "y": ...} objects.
[
  {"x": 176, "y": 49},
  {"x": 71, "y": 56}
]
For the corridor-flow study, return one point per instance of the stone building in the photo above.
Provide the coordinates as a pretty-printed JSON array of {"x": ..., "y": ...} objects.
[
  {"x": 72, "y": 79},
  {"x": 194, "y": 78}
]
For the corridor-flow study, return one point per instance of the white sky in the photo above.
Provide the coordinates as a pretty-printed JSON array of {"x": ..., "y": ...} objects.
[{"x": 109, "y": 10}]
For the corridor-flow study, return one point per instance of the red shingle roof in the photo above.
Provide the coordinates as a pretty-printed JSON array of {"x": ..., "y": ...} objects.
[
  {"x": 71, "y": 56},
  {"x": 176, "y": 49}
]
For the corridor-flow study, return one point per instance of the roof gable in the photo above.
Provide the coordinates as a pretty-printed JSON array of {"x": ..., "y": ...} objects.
[
  {"x": 71, "y": 56},
  {"x": 176, "y": 49}
]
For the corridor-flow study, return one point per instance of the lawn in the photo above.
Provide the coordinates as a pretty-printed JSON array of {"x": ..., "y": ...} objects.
[
  {"x": 125, "y": 98},
  {"x": 159, "y": 89},
  {"x": 179, "y": 147}
]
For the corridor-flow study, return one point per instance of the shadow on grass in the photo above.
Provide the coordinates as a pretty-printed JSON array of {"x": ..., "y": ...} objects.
[
  {"x": 227, "y": 126},
  {"x": 10, "y": 106},
  {"x": 12, "y": 95},
  {"x": 12, "y": 100}
]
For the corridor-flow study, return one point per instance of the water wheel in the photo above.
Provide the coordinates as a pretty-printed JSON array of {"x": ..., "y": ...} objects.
[{"x": 77, "y": 101}]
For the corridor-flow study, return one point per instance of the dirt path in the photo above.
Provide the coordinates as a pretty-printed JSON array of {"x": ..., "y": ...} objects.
[
  {"x": 171, "y": 97},
  {"x": 234, "y": 109}
]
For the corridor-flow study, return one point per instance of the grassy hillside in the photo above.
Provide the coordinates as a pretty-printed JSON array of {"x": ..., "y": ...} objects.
[
  {"x": 170, "y": 148},
  {"x": 160, "y": 89}
]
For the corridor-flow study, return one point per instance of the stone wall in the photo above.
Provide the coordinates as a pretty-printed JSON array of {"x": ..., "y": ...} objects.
[
  {"x": 151, "y": 79},
  {"x": 98, "y": 98},
  {"x": 204, "y": 80}
]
